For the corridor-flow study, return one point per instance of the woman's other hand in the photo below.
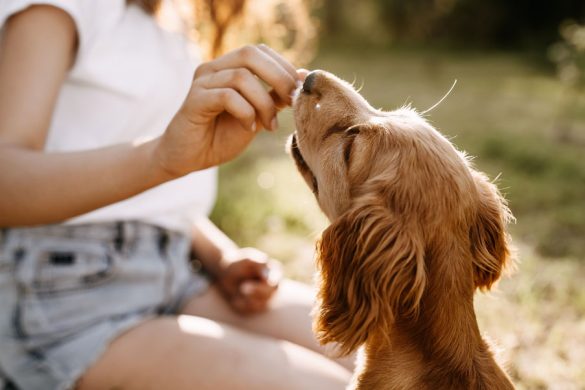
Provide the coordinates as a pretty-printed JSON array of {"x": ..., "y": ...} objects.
[
  {"x": 248, "y": 280},
  {"x": 226, "y": 107}
]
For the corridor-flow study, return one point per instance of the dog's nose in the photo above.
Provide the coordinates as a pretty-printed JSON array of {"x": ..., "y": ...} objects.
[{"x": 310, "y": 81}]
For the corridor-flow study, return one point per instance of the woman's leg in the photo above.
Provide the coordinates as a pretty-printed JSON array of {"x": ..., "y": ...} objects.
[
  {"x": 288, "y": 317},
  {"x": 189, "y": 352}
]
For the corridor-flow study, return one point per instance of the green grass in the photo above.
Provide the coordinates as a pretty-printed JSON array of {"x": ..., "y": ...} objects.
[
  {"x": 535, "y": 319},
  {"x": 504, "y": 111}
]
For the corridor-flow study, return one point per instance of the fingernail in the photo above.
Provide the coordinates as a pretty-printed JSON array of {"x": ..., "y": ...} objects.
[
  {"x": 272, "y": 275},
  {"x": 265, "y": 272},
  {"x": 246, "y": 288},
  {"x": 299, "y": 84},
  {"x": 302, "y": 73},
  {"x": 253, "y": 127},
  {"x": 274, "y": 124}
]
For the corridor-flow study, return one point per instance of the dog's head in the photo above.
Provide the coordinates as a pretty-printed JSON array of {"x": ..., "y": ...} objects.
[{"x": 405, "y": 207}]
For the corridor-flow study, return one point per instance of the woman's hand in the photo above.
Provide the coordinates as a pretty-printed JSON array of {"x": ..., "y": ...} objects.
[
  {"x": 249, "y": 280},
  {"x": 226, "y": 106}
]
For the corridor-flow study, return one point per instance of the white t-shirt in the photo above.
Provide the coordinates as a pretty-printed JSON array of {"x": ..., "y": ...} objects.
[{"x": 129, "y": 79}]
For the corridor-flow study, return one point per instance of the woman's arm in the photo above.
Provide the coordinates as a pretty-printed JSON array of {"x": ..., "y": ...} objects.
[
  {"x": 36, "y": 51},
  {"x": 219, "y": 118},
  {"x": 39, "y": 188},
  {"x": 211, "y": 246}
]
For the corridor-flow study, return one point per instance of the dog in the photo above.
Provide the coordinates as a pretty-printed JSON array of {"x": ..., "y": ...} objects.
[{"x": 415, "y": 230}]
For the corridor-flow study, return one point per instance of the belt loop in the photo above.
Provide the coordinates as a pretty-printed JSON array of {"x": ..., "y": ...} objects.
[
  {"x": 120, "y": 237},
  {"x": 3, "y": 234},
  {"x": 163, "y": 240}
]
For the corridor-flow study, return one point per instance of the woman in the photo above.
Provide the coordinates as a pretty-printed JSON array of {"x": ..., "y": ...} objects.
[{"x": 106, "y": 178}]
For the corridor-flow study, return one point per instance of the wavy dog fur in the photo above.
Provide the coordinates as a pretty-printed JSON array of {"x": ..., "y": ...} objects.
[{"x": 415, "y": 230}]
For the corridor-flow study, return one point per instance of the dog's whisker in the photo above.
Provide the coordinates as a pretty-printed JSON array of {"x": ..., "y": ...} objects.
[
  {"x": 354, "y": 80},
  {"x": 407, "y": 103},
  {"x": 359, "y": 89},
  {"x": 443, "y": 98},
  {"x": 495, "y": 180}
]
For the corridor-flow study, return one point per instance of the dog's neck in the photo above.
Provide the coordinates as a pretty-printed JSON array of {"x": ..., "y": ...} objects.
[{"x": 441, "y": 349}]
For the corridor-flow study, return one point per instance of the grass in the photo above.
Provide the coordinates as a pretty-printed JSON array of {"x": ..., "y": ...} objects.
[
  {"x": 535, "y": 318},
  {"x": 506, "y": 112}
]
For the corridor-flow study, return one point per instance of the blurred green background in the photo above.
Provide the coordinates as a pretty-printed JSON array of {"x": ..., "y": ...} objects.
[{"x": 519, "y": 107}]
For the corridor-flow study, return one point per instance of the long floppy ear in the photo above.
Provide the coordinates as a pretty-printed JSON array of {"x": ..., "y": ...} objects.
[
  {"x": 371, "y": 271},
  {"x": 490, "y": 243}
]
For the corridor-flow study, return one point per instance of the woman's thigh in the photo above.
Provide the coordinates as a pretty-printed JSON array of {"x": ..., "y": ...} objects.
[
  {"x": 189, "y": 352},
  {"x": 288, "y": 317}
]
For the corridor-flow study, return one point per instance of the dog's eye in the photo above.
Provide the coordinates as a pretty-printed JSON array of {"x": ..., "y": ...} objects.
[
  {"x": 347, "y": 151},
  {"x": 335, "y": 129},
  {"x": 350, "y": 136}
]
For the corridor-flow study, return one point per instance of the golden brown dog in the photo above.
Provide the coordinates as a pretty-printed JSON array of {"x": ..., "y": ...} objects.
[{"x": 415, "y": 231}]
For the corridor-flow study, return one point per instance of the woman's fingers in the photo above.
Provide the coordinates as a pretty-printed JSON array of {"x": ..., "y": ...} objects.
[
  {"x": 218, "y": 100},
  {"x": 225, "y": 94},
  {"x": 302, "y": 74},
  {"x": 253, "y": 297},
  {"x": 280, "y": 59},
  {"x": 256, "y": 290},
  {"x": 244, "y": 82},
  {"x": 260, "y": 64}
]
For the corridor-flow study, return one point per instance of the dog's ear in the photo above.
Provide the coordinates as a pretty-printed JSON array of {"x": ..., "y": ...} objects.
[
  {"x": 490, "y": 246},
  {"x": 371, "y": 271}
]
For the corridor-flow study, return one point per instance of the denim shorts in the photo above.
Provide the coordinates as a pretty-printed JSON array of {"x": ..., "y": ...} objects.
[{"x": 67, "y": 290}]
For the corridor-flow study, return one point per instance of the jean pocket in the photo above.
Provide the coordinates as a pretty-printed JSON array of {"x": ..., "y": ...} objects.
[
  {"x": 55, "y": 266},
  {"x": 61, "y": 283}
]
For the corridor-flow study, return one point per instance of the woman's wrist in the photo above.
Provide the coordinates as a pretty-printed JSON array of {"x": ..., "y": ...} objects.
[
  {"x": 156, "y": 172},
  {"x": 212, "y": 247},
  {"x": 182, "y": 148},
  {"x": 218, "y": 267}
]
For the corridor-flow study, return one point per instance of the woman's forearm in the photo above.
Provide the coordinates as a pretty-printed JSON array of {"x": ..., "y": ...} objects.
[
  {"x": 40, "y": 188},
  {"x": 210, "y": 245}
]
